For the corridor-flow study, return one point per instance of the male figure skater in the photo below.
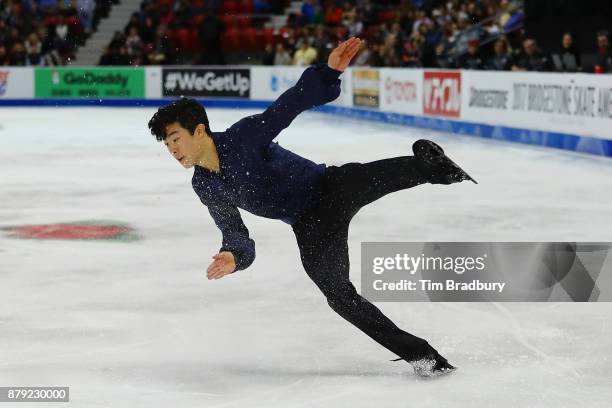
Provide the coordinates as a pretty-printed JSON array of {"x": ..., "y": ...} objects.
[{"x": 243, "y": 168}]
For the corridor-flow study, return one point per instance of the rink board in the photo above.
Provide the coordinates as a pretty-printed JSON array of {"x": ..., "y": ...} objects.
[{"x": 565, "y": 111}]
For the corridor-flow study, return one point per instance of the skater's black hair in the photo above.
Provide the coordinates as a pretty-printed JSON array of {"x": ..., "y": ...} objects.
[{"x": 187, "y": 112}]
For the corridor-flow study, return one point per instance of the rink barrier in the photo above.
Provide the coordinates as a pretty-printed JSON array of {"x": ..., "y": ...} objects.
[
  {"x": 581, "y": 144},
  {"x": 564, "y": 111}
]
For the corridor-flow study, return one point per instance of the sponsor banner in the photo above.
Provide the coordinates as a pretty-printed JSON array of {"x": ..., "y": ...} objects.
[
  {"x": 401, "y": 91},
  {"x": 201, "y": 82},
  {"x": 442, "y": 93},
  {"x": 577, "y": 104},
  {"x": 486, "y": 271},
  {"x": 366, "y": 87},
  {"x": 16, "y": 83},
  {"x": 153, "y": 82},
  {"x": 268, "y": 83},
  {"x": 89, "y": 83}
]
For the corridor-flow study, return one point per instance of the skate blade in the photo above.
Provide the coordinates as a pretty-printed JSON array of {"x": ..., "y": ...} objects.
[
  {"x": 464, "y": 174},
  {"x": 436, "y": 374}
]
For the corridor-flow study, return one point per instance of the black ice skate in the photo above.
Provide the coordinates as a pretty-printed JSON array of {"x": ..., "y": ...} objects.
[
  {"x": 430, "y": 366},
  {"x": 436, "y": 166}
]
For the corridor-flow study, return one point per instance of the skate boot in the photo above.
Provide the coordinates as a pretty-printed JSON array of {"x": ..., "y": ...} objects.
[
  {"x": 430, "y": 366},
  {"x": 436, "y": 166}
]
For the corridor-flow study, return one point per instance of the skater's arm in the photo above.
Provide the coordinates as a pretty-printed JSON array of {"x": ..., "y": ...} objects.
[
  {"x": 318, "y": 85},
  {"x": 235, "y": 236}
]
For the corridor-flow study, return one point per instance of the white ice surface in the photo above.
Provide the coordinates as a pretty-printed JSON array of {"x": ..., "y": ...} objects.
[{"x": 138, "y": 325}]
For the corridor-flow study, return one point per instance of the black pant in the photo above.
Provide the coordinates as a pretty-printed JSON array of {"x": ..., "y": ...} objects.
[{"x": 322, "y": 234}]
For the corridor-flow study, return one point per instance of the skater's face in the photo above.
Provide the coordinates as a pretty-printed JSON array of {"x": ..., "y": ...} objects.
[{"x": 183, "y": 146}]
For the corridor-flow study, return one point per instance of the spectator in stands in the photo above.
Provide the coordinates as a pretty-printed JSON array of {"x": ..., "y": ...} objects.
[
  {"x": 410, "y": 55},
  {"x": 118, "y": 40},
  {"x": 322, "y": 43},
  {"x": 352, "y": 21},
  {"x": 33, "y": 48},
  {"x": 568, "y": 58},
  {"x": 532, "y": 58},
  {"x": 333, "y": 14},
  {"x": 305, "y": 55},
  {"x": 182, "y": 13},
  {"x": 162, "y": 51},
  {"x": 61, "y": 36},
  {"x": 4, "y": 58},
  {"x": 309, "y": 11},
  {"x": 18, "y": 55},
  {"x": 133, "y": 22},
  {"x": 363, "y": 57},
  {"x": 282, "y": 56},
  {"x": 368, "y": 10},
  {"x": 502, "y": 59},
  {"x": 603, "y": 62},
  {"x": 261, "y": 6},
  {"x": 147, "y": 30},
  {"x": 268, "y": 56},
  {"x": 209, "y": 33},
  {"x": 85, "y": 11},
  {"x": 472, "y": 59},
  {"x": 135, "y": 47}
]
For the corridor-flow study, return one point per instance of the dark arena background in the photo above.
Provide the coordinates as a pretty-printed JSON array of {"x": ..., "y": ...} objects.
[{"x": 104, "y": 246}]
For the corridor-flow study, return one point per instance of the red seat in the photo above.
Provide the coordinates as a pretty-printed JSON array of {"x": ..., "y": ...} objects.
[
  {"x": 228, "y": 21},
  {"x": 197, "y": 20},
  {"x": 249, "y": 39},
  {"x": 268, "y": 36},
  {"x": 386, "y": 15},
  {"x": 194, "y": 41},
  {"x": 246, "y": 7},
  {"x": 50, "y": 20},
  {"x": 229, "y": 7},
  {"x": 244, "y": 21},
  {"x": 231, "y": 39},
  {"x": 183, "y": 39}
]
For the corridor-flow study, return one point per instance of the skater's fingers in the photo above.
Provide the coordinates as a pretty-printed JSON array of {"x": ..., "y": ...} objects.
[
  {"x": 214, "y": 265},
  {"x": 217, "y": 275},
  {"x": 343, "y": 45},
  {"x": 354, "y": 44}
]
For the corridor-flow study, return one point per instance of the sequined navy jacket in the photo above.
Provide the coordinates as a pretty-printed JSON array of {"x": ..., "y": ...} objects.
[{"x": 258, "y": 175}]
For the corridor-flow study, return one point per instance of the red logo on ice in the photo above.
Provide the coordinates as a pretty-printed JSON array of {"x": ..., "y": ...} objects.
[{"x": 442, "y": 93}]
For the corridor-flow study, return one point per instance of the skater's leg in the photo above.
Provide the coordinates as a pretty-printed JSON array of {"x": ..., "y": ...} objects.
[
  {"x": 354, "y": 185},
  {"x": 326, "y": 261}
]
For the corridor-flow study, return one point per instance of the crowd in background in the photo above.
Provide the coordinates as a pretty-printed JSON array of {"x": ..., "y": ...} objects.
[
  {"x": 467, "y": 34},
  {"x": 413, "y": 35},
  {"x": 46, "y": 32}
]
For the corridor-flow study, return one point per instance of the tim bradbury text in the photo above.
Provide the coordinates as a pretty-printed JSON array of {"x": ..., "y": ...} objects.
[{"x": 449, "y": 284}]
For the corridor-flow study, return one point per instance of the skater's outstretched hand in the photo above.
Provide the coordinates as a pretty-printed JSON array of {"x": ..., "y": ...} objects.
[
  {"x": 223, "y": 264},
  {"x": 342, "y": 55}
]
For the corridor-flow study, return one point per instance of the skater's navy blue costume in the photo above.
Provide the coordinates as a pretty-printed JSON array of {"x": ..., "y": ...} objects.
[
  {"x": 318, "y": 201},
  {"x": 258, "y": 175}
]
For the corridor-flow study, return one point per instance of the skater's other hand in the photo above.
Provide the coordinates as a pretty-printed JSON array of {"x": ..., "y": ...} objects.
[
  {"x": 342, "y": 55},
  {"x": 223, "y": 264}
]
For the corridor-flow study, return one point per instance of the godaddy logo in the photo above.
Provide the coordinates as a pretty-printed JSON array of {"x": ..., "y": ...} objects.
[{"x": 93, "y": 78}]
